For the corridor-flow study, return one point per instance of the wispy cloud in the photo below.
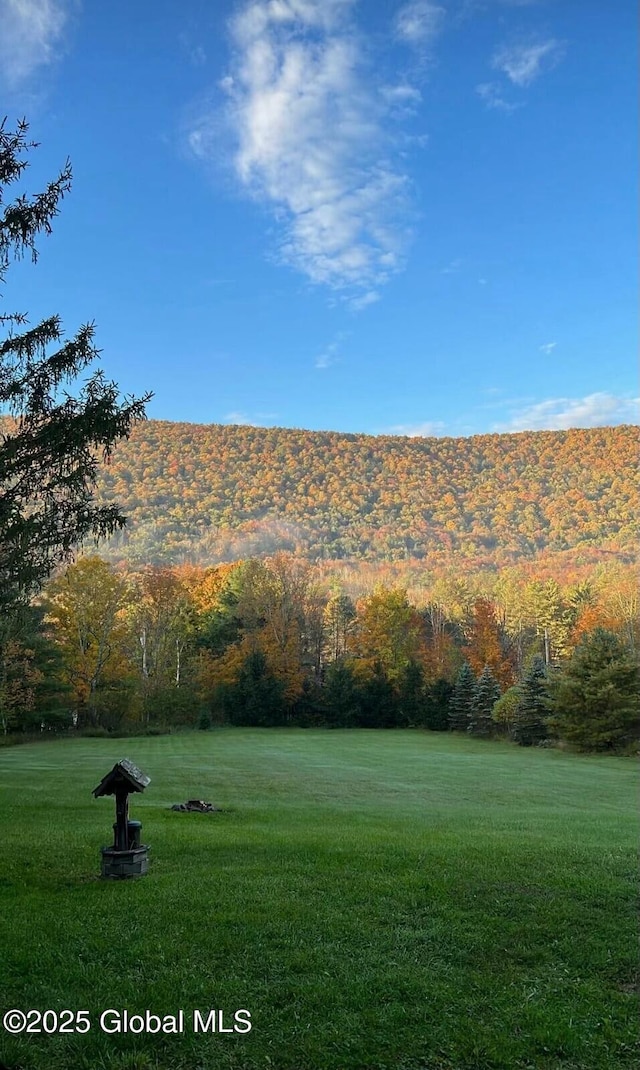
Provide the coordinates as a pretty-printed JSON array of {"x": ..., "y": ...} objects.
[
  {"x": 419, "y": 22},
  {"x": 31, "y": 36},
  {"x": 471, "y": 8},
  {"x": 490, "y": 93},
  {"x": 364, "y": 300},
  {"x": 523, "y": 63},
  {"x": 548, "y": 347},
  {"x": 312, "y": 140},
  {"x": 192, "y": 49},
  {"x": 330, "y": 354},
  {"x": 558, "y": 414},
  {"x": 403, "y": 99},
  {"x": 426, "y": 429},
  {"x": 327, "y": 358},
  {"x": 261, "y": 419}
]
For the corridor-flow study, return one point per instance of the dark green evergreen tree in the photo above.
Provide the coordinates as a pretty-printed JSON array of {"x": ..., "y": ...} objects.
[
  {"x": 54, "y": 702},
  {"x": 257, "y": 697},
  {"x": 529, "y": 722},
  {"x": 204, "y": 721},
  {"x": 460, "y": 706},
  {"x": 436, "y": 705},
  {"x": 308, "y": 709},
  {"x": 595, "y": 700},
  {"x": 411, "y": 695},
  {"x": 341, "y": 699},
  {"x": 485, "y": 696},
  {"x": 51, "y": 445},
  {"x": 379, "y": 703}
]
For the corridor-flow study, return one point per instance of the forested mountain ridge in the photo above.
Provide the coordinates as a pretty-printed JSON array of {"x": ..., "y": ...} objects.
[{"x": 219, "y": 492}]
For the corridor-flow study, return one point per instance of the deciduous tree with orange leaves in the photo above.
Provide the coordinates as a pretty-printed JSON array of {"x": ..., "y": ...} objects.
[{"x": 487, "y": 644}]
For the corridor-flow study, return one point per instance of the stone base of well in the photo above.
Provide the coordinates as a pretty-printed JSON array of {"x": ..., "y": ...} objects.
[{"x": 118, "y": 865}]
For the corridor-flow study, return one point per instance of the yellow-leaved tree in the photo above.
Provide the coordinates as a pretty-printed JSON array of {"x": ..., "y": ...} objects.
[
  {"x": 387, "y": 632},
  {"x": 85, "y": 608}
]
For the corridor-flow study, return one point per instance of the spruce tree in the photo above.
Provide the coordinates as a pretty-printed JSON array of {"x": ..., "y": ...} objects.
[
  {"x": 379, "y": 700},
  {"x": 341, "y": 695},
  {"x": 258, "y": 695},
  {"x": 436, "y": 702},
  {"x": 308, "y": 707},
  {"x": 529, "y": 723},
  {"x": 51, "y": 443},
  {"x": 595, "y": 700},
  {"x": 485, "y": 696},
  {"x": 461, "y": 699},
  {"x": 411, "y": 695}
]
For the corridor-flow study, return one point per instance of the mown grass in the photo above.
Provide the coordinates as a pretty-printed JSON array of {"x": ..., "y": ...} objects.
[{"x": 377, "y": 900}]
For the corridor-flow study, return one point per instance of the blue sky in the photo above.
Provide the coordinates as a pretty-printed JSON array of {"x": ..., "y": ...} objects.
[{"x": 380, "y": 217}]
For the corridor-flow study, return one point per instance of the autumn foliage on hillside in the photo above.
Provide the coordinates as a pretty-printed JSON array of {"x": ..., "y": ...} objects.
[{"x": 220, "y": 493}]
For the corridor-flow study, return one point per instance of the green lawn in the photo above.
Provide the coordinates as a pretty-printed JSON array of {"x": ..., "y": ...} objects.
[{"x": 376, "y": 900}]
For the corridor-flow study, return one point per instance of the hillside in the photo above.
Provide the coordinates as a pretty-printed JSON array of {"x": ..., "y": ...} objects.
[{"x": 218, "y": 492}]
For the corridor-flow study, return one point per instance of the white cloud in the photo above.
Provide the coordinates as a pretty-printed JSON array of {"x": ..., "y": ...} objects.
[
  {"x": 414, "y": 141},
  {"x": 419, "y": 22},
  {"x": 491, "y": 95},
  {"x": 194, "y": 52},
  {"x": 244, "y": 419},
  {"x": 402, "y": 93},
  {"x": 310, "y": 141},
  {"x": 326, "y": 359},
  {"x": 523, "y": 63},
  {"x": 329, "y": 354},
  {"x": 426, "y": 429},
  {"x": 403, "y": 100},
  {"x": 548, "y": 347},
  {"x": 31, "y": 36},
  {"x": 368, "y": 298},
  {"x": 558, "y": 414}
]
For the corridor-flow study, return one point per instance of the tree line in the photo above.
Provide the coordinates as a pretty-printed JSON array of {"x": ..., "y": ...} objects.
[{"x": 267, "y": 642}]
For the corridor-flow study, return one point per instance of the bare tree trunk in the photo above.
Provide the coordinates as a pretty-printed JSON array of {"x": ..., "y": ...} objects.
[
  {"x": 93, "y": 703},
  {"x": 143, "y": 644}
]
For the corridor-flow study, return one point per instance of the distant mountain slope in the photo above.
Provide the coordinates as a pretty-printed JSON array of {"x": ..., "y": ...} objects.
[{"x": 216, "y": 492}]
